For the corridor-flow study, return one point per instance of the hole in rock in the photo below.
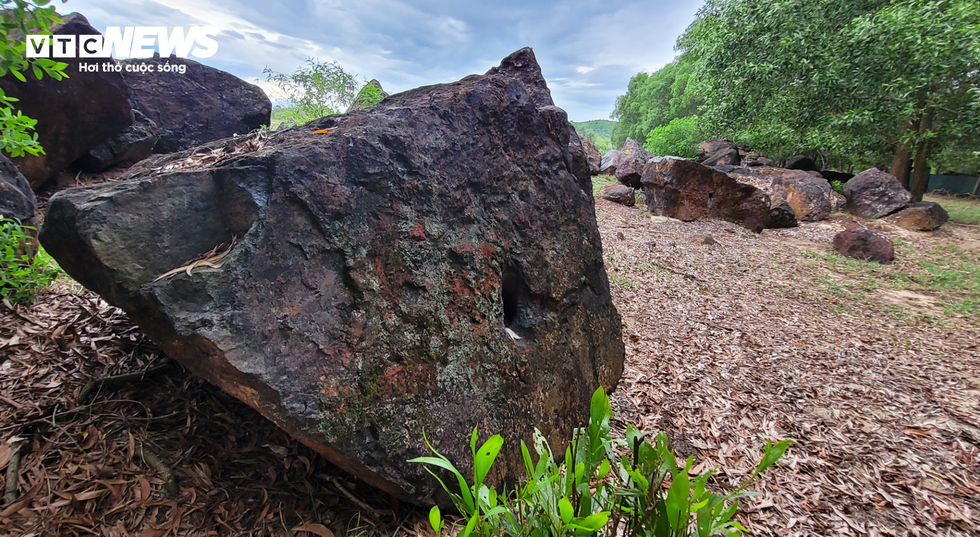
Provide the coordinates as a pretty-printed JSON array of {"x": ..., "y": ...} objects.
[{"x": 511, "y": 288}]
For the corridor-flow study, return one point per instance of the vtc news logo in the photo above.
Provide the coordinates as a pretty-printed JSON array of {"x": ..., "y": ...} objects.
[{"x": 128, "y": 42}]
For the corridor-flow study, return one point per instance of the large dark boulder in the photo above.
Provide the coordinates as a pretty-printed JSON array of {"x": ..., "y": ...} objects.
[
  {"x": 199, "y": 106},
  {"x": 609, "y": 162},
  {"x": 921, "y": 216},
  {"x": 130, "y": 146},
  {"x": 864, "y": 244},
  {"x": 430, "y": 263},
  {"x": 632, "y": 159},
  {"x": 807, "y": 195},
  {"x": 874, "y": 193},
  {"x": 75, "y": 114},
  {"x": 686, "y": 190}
]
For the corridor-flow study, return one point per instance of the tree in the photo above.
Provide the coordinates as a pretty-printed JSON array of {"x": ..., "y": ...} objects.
[
  {"x": 20, "y": 18},
  {"x": 653, "y": 100},
  {"x": 318, "y": 90},
  {"x": 864, "y": 82},
  {"x": 679, "y": 138}
]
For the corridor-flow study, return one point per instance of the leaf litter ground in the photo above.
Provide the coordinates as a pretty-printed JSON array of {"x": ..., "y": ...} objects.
[{"x": 728, "y": 344}]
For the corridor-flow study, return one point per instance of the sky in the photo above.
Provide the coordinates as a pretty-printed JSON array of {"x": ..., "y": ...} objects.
[{"x": 588, "y": 50}]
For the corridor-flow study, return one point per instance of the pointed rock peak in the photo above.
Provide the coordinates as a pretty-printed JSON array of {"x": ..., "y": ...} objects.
[{"x": 523, "y": 65}]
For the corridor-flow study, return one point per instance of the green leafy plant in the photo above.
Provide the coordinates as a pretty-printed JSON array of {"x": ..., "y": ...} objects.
[
  {"x": 679, "y": 138},
  {"x": 838, "y": 187},
  {"x": 20, "y": 18},
  {"x": 604, "y": 485},
  {"x": 317, "y": 90},
  {"x": 21, "y": 274}
]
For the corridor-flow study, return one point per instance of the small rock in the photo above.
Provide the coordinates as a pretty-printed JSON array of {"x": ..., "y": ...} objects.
[
  {"x": 861, "y": 243},
  {"x": 874, "y": 193},
  {"x": 709, "y": 240},
  {"x": 837, "y": 201},
  {"x": 621, "y": 194},
  {"x": 921, "y": 216},
  {"x": 17, "y": 200}
]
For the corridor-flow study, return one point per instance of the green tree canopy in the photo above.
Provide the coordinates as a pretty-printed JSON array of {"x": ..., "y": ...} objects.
[
  {"x": 863, "y": 82},
  {"x": 653, "y": 100}
]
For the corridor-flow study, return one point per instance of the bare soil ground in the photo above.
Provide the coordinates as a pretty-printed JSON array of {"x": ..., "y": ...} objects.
[{"x": 871, "y": 370}]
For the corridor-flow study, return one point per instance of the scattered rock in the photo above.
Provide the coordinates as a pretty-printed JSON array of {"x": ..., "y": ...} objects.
[
  {"x": 431, "y": 264},
  {"x": 687, "y": 190},
  {"x": 609, "y": 162},
  {"x": 592, "y": 156},
  {"x": 621, "y": 194},
  {"x": 74, "y": 115},
  {"x": 837, "y": 201},
  {"x": 129, "y": 146},
  {"x": 360, "y": 101},
  {"x": 921, "y": 216},
  {"x": 213, "y": 104},
  {"x": 800, "y": 162},
  {"x": 719, "y": 152},
  {"x": 633, "y": 159},
  {"x": 861, "y": 243},
  {"x": 874, "y": 193},
  {"x": 808, "y": 196},
  {"x": 709, "y": 240}
]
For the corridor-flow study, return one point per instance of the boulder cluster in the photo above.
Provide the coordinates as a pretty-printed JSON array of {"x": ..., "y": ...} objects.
[{"x": 744, "y": 187}]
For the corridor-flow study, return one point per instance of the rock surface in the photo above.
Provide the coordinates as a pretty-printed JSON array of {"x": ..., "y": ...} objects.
[
  {"x": 592, "y": 156},
  {"x": 199, "y": 106},
  {"x": 808, "y": 196},
  {"x": 609, "y": 162},
  {"x": 74, "y": 115},
  {"x": 861, "y": 243},
  {"x": 686, "y": 190},
  {"x": 632, "y": 160},
  {"x": 17, "y": 199},
  {"x": 430, "y": 264},
  {"x": 921, "y": 216},
  {"x": 800, "y": 162},
  {"x": 719, "y": 152},
  {"x": 621, "y": 194},
  {"x": 129, "y": 146},
  {"x": 874, "y": 193}
]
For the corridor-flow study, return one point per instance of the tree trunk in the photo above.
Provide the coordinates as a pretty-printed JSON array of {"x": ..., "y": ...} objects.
[
  {"x": 902, "y": 164},
  {"x": 920, "y": 171}
]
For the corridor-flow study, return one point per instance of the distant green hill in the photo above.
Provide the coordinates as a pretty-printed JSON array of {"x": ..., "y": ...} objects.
[{"x": 602, "y": 127}]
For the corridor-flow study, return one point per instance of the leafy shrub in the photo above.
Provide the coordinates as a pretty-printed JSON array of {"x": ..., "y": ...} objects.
[
  {"x": 20, "y": 274},
  {"x": 604, "y": 486},
  {"x": 679, "y": 138},
  {"x": 22, "y": 17},
  {"x": 838, "y": 187}
]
